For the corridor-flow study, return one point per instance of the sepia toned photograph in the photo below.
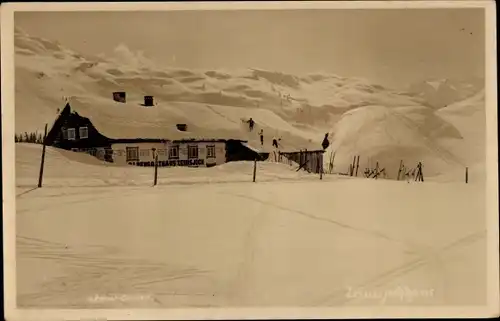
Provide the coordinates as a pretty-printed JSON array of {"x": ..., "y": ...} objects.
[{"x": 217, "y": 156}]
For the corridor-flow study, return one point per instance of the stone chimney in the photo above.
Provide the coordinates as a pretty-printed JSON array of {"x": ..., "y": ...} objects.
[
  {"x": 148, "y": 101},
  {"x": 119, "y": 96},
  {"x": 182, "y": 127}
]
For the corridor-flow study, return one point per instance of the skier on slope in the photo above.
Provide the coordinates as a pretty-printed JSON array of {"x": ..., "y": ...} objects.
[
  {"x": 325, "y": 142},
  {"x": 261, "y": 134}
]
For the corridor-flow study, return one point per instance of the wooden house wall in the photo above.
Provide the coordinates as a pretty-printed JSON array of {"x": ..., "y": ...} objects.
[
  {"x": 68, "y": 120},
  {"x": 146, "y": 155}
]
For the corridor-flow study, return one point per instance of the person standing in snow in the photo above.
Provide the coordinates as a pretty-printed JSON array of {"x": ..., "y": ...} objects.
[
  {"x": 275, "y": 143},
  {"x": 261, "y": 134},
  {"x": 251, "y": 123},
  {"x": 325, "y": 142}
]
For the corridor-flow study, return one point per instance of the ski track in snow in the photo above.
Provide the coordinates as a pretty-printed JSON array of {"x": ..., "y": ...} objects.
[
  {"x": 426, "y": 255},
  {"x": 412, "y": 248},
  {"x": 236, "y": 290},
  {"x": 337, "y": 298},
  {"x": 92, "y": 270}
]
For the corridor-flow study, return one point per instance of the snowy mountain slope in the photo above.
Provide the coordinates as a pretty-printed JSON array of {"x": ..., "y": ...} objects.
[
  {"x": 469, "y": 117},
  {"x": 385, "y": 135},
  {"x": 367, "y": 119},
  {"x": 62, "y": 72},
  {"x": 468, "y": 107},
  {"x": 440, "y": 93}
]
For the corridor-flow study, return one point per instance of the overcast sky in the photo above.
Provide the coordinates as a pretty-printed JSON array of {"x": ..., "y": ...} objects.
[{"x": 390, "y": 47}]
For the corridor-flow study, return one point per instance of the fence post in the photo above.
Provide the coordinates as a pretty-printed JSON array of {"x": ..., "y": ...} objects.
[
  {"x": 306, "y": 160},
  {"x": 320, "y": 160},
  {"x": 42, "y": 163},
  {"x": 357, "y": 166},
  {"x": 400, "y": 168},
  {"x": 420, "y": 174},
  {"x": 254, "y": 169},
  {"x": 156, "y": 166},
  {"x": 332, "y": 162},
  {"x": 318, "y": 168},
  {"x": 352, "y": 167},
  {"x": 466, "y": 175}
]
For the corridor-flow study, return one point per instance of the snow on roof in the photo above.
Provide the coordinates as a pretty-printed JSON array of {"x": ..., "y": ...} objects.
[
  {"x": 131, "y": 121},
  {"x": 434, "y": 84},
  {"x": 253, "y": 148}
]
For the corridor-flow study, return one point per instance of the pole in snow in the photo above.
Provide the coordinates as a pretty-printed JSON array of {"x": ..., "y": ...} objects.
[{"x": 42, "y": 163}]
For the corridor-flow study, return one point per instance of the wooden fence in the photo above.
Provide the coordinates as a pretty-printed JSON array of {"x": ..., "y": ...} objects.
[{"x": 309, "y": 160}]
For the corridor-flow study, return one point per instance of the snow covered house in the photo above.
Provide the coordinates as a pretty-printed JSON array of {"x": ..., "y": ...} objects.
[{"x": 109, "y": 135}]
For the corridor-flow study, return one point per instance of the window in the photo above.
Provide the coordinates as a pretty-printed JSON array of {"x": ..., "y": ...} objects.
[
  {"x": 132, "y": 154},
  {"x": 211, "y": 151},
  {"x": 173, "y": 152},
  {"x": 84, "y": 132},
  {"x": 192, "y": 152},
  {"x": 71, "y": 134},
  {"x": 64, "y": 133}
]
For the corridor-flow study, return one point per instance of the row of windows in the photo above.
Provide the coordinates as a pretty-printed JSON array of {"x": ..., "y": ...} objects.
[
  {"x": 133, "y": 153},
  {"x": 70, "y": 133}
]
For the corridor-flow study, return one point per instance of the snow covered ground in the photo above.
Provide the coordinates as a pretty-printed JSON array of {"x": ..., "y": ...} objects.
[{"x": 289, "y": 239}]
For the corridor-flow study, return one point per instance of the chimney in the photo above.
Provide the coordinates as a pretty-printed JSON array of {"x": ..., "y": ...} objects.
[
  {"x": 119, "y": 96},
  {"x": 148, "y": 101},
  {"x": 182, "y": 127}
]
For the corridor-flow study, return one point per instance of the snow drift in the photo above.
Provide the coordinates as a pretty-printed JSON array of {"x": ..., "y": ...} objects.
[
  {"x": 69, "y": 169},
  {"x": 469, "y": 117},
  {"x": 388, "y": 136}
]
